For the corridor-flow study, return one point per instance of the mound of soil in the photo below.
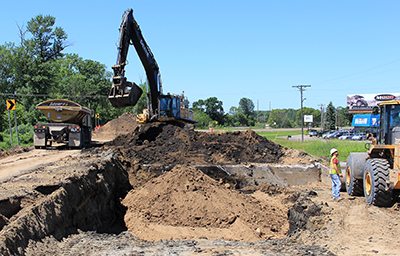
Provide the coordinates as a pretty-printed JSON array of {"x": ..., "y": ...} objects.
[
  {"x": 15, "y": 150},
  {"x": 126, "y": 123},
  {"x": 187, "y": 204},
  {"x": 172, "y": 145}
]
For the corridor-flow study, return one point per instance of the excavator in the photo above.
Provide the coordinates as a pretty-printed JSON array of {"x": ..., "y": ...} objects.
[{"x": 165, "y": 108}]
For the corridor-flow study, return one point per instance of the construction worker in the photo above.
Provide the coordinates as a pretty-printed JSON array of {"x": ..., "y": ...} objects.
[{"x": 335, "y": 174}]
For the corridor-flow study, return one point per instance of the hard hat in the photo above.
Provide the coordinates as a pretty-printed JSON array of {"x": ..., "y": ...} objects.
[{"x": 333, "y": 150}]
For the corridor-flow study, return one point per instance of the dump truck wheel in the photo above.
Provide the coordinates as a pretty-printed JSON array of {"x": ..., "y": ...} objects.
[{"x": 376, "y": 182}]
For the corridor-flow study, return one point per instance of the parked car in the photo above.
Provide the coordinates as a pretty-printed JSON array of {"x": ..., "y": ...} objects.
[
  {"x": 320, "y": 133},
  {"x": 360, "y": 136},
  {"x": 327, "y": 134},
  {"x": 335, "y": 134},
  {"x": 346, "y": 136},
  {"x": 313, "y": 133}
]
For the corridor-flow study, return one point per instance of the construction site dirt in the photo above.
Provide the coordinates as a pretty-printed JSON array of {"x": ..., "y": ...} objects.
[{"x": 158, "y": 189}]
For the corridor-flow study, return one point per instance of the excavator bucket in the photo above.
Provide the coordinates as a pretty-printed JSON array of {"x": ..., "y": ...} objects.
[{"x": 128, "y": 96}]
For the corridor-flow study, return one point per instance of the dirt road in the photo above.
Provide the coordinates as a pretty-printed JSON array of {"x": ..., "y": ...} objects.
[{"x": 26, "y": 162}]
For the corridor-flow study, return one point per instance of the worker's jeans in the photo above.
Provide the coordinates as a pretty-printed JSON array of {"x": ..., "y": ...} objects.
[{"x": 336, "y": 185}]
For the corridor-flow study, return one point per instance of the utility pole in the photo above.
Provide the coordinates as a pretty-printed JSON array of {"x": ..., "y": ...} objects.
[
  {"x": 322, "y": 116},
  {"x": 257, "y": 114},
  {"x": 301, "y": 89}
]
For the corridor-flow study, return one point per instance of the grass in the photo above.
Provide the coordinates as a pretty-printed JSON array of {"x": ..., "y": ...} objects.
[
  {"x": 271, "y": 135},
  {"x": 322, "y": 147},
  {"x": 7, "y": 146},
  {"x": 319, "y": 148}
]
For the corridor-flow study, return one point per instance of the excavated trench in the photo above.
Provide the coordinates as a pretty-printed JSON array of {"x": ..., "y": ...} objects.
[{"x": 91, "y": 201}]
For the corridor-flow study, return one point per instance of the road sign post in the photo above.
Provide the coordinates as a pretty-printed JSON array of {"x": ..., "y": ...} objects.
[
  {"x": 16, "y": 126},
  {"x": 9, "y": 122}
]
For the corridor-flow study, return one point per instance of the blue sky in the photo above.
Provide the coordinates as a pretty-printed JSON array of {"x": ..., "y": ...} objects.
[{"x": 233, "y": 49}]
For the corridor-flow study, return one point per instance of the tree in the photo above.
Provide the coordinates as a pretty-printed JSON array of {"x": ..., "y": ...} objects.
[
  {"x": 47, "y": 43},
  {"x": 202, "y": 118},
  {"x": 330, "y": 117},
  {"x": 247, "y": 107},
  {"x": 279, "y": 118},
  {"x": 212, "y": 107},
  {"x": 344, "y": 118},
  {"x": 309, "y": 111},
  {"x": 34, "y": 64}
]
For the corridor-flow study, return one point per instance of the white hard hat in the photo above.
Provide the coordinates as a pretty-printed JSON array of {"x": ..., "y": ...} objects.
[{"x": 333, "y": 150}]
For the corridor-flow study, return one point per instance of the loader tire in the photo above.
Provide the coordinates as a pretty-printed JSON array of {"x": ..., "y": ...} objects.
[
  {"x": 354, "y": 186},
  {"x": 376, "y": 182}
]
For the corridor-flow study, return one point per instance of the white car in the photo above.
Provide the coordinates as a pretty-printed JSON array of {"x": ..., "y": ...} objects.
[
  {"x": 360, "y": 136},
  {"x": 346, "y": 136}
]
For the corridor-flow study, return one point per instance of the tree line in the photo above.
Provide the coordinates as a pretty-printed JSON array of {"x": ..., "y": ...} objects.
[
  {"x": 211, "y": 111},
  {"x": 37, "y": 69}
]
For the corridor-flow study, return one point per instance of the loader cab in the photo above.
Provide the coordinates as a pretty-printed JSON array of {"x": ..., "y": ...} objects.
[{"x": 389, "y": 133}]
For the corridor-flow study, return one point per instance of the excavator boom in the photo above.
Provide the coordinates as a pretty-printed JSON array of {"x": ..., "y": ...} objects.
[{"x": 124, "y": 93}]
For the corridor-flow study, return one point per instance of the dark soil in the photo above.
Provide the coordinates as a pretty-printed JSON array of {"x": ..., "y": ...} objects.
[{"x": 172, "y": 145}]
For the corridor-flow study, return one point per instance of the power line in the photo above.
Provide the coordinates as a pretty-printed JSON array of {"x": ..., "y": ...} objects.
[{"x": 52, "y": 95}]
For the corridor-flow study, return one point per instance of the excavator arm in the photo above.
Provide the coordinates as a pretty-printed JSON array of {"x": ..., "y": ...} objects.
[{"x": 124, "y": 93}]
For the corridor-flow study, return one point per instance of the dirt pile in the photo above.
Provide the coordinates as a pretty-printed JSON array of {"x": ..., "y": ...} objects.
[
  {"x": 172, "y": 145},
  {"x": 15, "y": 150},
  {"x": 126, "y": 123},
  {"x": 187, "y": 204}
]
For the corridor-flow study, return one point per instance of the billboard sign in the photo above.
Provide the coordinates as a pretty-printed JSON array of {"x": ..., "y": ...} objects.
[
  {"x": 308, "y": 118},
  {"x": 364, "y": 103},
  {"x": 365, "y": 120}
]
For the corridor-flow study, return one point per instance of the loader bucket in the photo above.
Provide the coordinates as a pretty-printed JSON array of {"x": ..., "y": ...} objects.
[{"x": 125, "y": 98}]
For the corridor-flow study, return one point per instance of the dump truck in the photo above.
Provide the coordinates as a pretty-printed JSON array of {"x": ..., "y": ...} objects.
[
  {"x": 172, "y": 108},
  {"x": 376, "y": 173},
  {"x": 67, "y": 124}
]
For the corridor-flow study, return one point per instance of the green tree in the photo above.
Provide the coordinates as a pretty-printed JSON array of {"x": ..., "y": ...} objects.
[
  {"x": 247, "y": 107},
  {"x": 33, "y": 66},
  {"x": 330, "y": 117},
  {"x": 279, "y": 118},
  {"x": 309, "y": 111},
  {"x": 344, "y": 118},
  {"x": 142, "y": 102},
  {"x": 212, "y": 107},
  {"x": 202, "y": 119}
]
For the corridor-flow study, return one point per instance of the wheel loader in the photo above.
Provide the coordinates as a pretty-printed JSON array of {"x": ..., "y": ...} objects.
[{"x": 376, "y": 173}]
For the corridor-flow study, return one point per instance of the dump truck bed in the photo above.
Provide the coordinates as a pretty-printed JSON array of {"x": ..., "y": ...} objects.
[{"x": 63, "y": 111}]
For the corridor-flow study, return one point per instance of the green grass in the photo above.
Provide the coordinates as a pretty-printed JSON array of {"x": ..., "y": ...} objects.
[
  {"x": 322, "y": 147},
  {"x": 319, "y": 148},
  {"x": 275, "y": 134},
  {"x": 7, "y": 146}
]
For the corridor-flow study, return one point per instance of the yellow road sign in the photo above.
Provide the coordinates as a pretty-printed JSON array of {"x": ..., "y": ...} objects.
[{"x": 10, "y": 104}]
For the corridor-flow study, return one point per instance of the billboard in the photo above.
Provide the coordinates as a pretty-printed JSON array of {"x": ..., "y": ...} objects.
[
  {"x": 308, "y": 118},
  {"x": 365, "y": 120},
  {"x": 364, "y": 103}
]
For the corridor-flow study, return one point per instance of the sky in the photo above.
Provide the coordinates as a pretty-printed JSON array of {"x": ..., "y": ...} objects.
[{"x": 231, "y": 49}]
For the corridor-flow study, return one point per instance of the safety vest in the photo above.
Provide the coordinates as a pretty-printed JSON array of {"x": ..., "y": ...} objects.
[{"x": 332, "y": 169}]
